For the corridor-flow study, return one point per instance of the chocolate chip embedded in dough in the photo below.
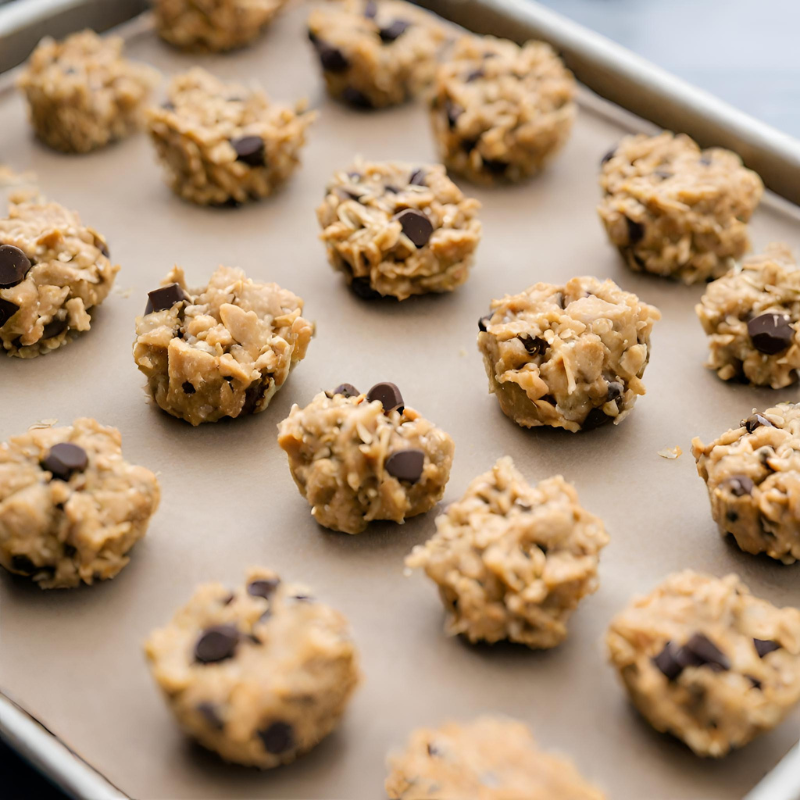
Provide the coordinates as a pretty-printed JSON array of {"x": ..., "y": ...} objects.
[
  {"x": 208, "y": 711},
  {"x": 700, "y": 651},
  {"x": 635, "y": 231},
  {"x": 277, "y": 738},
  {"x": 371, "y": 10},
  {"x": 389, "y": 396},
  {"x": 595, "y": 419},
  {"x": 608, "y": 156},
  {"x": 739, "y": 485},
  {"x": 475, "y": 75},
  {"x": 535, "y": 345},
  {"x": 188, "y": 388},
  {"x": 331, "y": 58},
  {"x": 765, "y": 646},
  {"x": 770, "y": 333},
  {"x": 615, "y": 390},
  {"x": 102, "y": 246},
  {"x": 263, "y": 587},
  {"x": 756, "y": 421},
  {"x": 416, "y": 226},
  {"x": 482, "y": 322},
  {"x": 14, "y": 266},
  {"x": 64, "y": 459},
  {"x": 406, "y": 465},
  {"x": 356, "y": 98},
  {"x": 668, "y": 661},
  {"x": 347, "y": 389},
  {"x": 54, "y": 328},
  {"x": 394, "y": 30},
  {"x": 453, "y": 112},
  {"x": 363, "y": 288},
  {"x": 249, "y": 150},
  {"x": 164, "y": 297},
  {"x": 7, "y": 310},
  {"x": 417, "y": 177},
  {"x": 216, "y": 643}
]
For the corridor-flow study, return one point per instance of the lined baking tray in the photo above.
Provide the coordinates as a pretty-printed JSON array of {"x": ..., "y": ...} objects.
[{"x": 73, "y": 659}]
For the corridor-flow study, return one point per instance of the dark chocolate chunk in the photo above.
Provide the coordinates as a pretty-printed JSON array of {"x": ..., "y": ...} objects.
[
  {"x": 475, "y": 75},
  {"x": 347, "y": 389},
  {"x": 363, "y": 288},
  {"x": 453, "y": 111},
  {"x": 482, "y": 322},
  {"x": 391, "y": 189},
  {"x": 595, "y": 419},
  {"x": 770, "y": 333},
  {"x": 312, "y": 37},
  {"x": 188, "y": 388},
  {"x": 54, "y": 327},
  {"x": 23, "y": 564},
  {"x": 356, "y": 98},
  {"x": 416, "y": 226},
  {"x": 7, "y": 310},
  {"x": 615, "y": 390},
  {"x": 208, "y": 711},
  {"x": 739, "y": 485},
  {"x": 250, "y": 150},
  {"x": 165, "y": 297},
  {"x": 63, "y": 459},
  {"x": 635, "y": 231},
  {"x": 216, "y": 643},
  {"x": 417, "y": 177},
  {"x": 394, "y": 30},
  {"x": 533, "y": 344},
  {"x": 668, "y": 661},
  {"x": 389, "y": 396},
  {"x": 608, "y": 156},
  {"x": 432, "y": 749},
  {"x": 406, "y": 465},
  {"x": 700, "y": 651},
  {"x": 14, "y": 266},
  {"x": 371, "y": 10},
  {"x": 277, "y": 738},
  {"x": 331, "y": 58},
  {"x": 755, "y": 421},
  {"x": 765, "y": 646},
  {"x": 102, "y": 246},
  {"x": 494, "y": 166},
  {"x": 263, "y": 587}
]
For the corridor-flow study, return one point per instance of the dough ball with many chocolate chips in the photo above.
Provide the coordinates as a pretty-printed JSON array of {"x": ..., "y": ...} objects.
[
  {"x": 259, "y": 675},
  {"x": 568, "y": 356},
  {"x": 512, "y": 561},
  {"x": 398, "y": 229},
  {"x": 365, "y": 457},
  {"x": 706, "y": 661},
  {"x": 71, "y": 507},
  {"x": 219, "y": 351}
]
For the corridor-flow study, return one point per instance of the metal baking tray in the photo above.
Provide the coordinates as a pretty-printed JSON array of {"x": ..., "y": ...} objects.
[{"x": 72, "y": 661}]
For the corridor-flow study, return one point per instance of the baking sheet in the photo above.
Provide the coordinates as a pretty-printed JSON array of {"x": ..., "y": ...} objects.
[{"x": 74, "y": 658}]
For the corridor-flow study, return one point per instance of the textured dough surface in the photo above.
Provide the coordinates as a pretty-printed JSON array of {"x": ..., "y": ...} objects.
[
  {"x": 500, "y": 112},
  {"x": 568, "y": 356},
  {"x": 364, "y": 236},
  {"x": 675, "y": 210},
  {"x": 70, "y": 274},
  {"x": 338, "y": 448},
  {"x": 512, "y": 561},
  {"x": 82, "y": 94},
  {"x": 282, "y": 689},
  {"x": 486, "y": 759},
  {"x": 712, "y": 706},
  {"x": 225, "y": 350},
  {"x": 64, "y": 532},
  {"x": 196, "y": 133}
]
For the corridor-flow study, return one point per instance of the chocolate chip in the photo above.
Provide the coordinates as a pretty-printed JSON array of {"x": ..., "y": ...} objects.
[
  {"x": 608, "y": 156},
  {"x": 615, "y": 390},
  {"x": 263, "y": 587},
  {"x": 668, "y": 661},
  {"x": 700, "y": 651},
  {"x": 14, "y": 266},
  {"x": 208, "y": 711},
  {"x": 102, "y": 246},
  {"x": 663, "y": 174},
  {"x": 354, "y": 176},
  {"x": 453, "y": 112},
  {"x": 635, "y": 231},
  {"x": 475, "y": 75},
  {"x": 739, "y": 485},
  {"x": 535, "y": 345},
  {"x": 765, "y": 646},
  {"x": 705, "y": 160},
  {"x": 391, "y": 189},
  {"x": 389, "y": 396},
  {"x": 755, "y": 421},
  {"x": 250, "y": 150},
  {"x": 168, "y": 105},
  {"x": 347, "y": 389},
  {"x": 23, "y": 564},
  {"x": 303, "y": 598},
  {"x": 371, "y": 10},
  {"x": 63, "y": 459},
  {"x": 770, "y": 333},
  {"x": 394, "y": 31},
  {"x": 406, "y": 465},
  {"x": 595, "y": 419},
  {"x": 164, "y": 297},
  {"x": 331, "y": 58},
  {"x": 312, "y": 37},
  {"x": 755, "y": 681},
  {"x": 416, "y": 226},
  {"x": 432, "y": 749},
  {"x": 216, "y": 643},
  {"x": 188, "y": 388},
  {"x": 277, "y": 738},
  {"x": 363, "y": 288},
  {"x": 494, "y": 166},
  {"x": 54, "y": 327},
  {"x": 417, "y": 177},
  {"x": 7, "y": 310},
  {"x": 482, "y": 322},
  {"x": 356, "y": 98}
]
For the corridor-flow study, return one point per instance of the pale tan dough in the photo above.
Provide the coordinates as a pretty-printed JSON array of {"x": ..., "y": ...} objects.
[
  {"x": 489, "y": 758},
  {"x": 225, "y": 350},
  {"x": 197, "y": 131},
  {"x": 70, "y": 273},
  {"x": 269, "y": 685},
  {"x": 338, "y": 449},
  {"x": 568, "y": 356},
  {"x": 511, "y": 560},
  {"x": 500, "y": 112},
  {"x": 704, "y": 631},
  {"x": 752, "y": 473},
  {"x": 82, "y": 94},
  {"x": 362, "y": 227},
  {"x": 675, "y": 210},
  {"x": 64, "y": 532}
]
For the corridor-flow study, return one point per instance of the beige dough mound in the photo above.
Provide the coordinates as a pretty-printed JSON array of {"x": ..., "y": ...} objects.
[
  {"x": 53, "y": 271},
  {"x": 751, "y": 316},
  {"x": 675, "y": 210},
  {"x": 513, "y": 561},
  {"x": 222, "y": 350},
  {"x": 82, "y": 94},
  {"x": 259, "y": 675},
  {"x": 500, "y": 112},
  {"x": 222, "y": 143},
  {"x": 752, "y": 473},
  {"x": 362, "y": 457},
  {"x": 486, "y": 759},
  {"x": 706, "y": 661},
  {"x": 70, "y": 506},
  {"x": 569, "y": 356},
  {"x": 398, "y": 229}
]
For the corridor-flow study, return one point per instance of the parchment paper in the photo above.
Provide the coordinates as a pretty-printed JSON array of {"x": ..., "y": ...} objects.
[{"x": 74, "y": 658}]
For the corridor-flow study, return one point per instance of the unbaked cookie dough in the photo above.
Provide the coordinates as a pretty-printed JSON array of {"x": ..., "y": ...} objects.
[
  {"x": 375, "y": 54},
  {"x": 675, "y": 210},
  {"x": 500, "y": 112},
  {"x": 71, "y": 507},
  {"x": 259, "y": 675},
  {"x": 706, "y": 661},
  {"x": 567, "y": 356},
  {"x": 222, "y": 143},
  {"x": 752, "y": 473},
  {"x": 398, "y": 229},
  {"x": 53, "y": 271},
  {"x": 82, "y": 94},
  {"x": 222, "y": 350},
  {"x": 489, "y": 758},
  {"x": 751, "y": 317},
  {"x": 362, "y": 457},
  {"x": 213, "y": 25},
  {"x": 512, "y": 561}
]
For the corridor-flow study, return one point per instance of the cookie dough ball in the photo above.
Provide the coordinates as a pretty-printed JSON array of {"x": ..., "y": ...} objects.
[
  {"x": 53, "y": 271},
  {"x": 71, "y": 507},
  {"x": 82, "y": 94},
  {"x": 500, "y": 112},
  {"x": 751, "y": 317},
  {"x": 675, "y": 210},
  {"x": 398, "y": 229},
  {"x": 224, "y": 144},
  {"x": 706, "y": 661},
  {"x": 220, "y": 351},
  {"x": 512, "y": 561},
  {"x": 362, "y": 457},
  {"x": 569, "y": 356},
  {"x": 486, "y": 759},
  {"x": 213, "y": 25},
  {"x": 259, "y": 675},
  {"x": 752, "y": 473}
]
